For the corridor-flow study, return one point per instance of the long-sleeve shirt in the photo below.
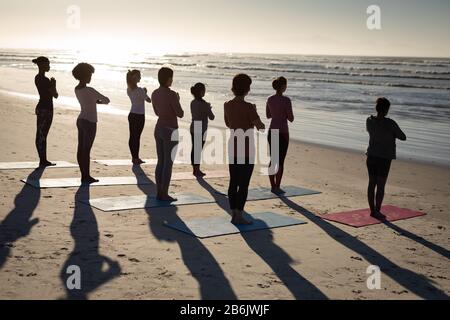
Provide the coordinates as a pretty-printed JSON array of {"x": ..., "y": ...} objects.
[
  {"x": 201, "y": 111},
  {"x": 382, "y": 135},
  {"x": 166, "y": 105}
]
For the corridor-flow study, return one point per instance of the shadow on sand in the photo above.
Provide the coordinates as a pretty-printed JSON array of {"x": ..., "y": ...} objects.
[
  {"x": 200, "y": 262},
  {"x": 261, "y": 242},
  {"x": 95, "y": 268},
  {"x": 18, "y": 223},
  {"x": 414, "y": 282}
]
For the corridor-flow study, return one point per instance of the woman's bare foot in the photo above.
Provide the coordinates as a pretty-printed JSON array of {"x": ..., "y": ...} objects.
[
  {"x": 277, "y": 190},
  {"x": 377, "y": 215},
  {"x": 166, "y": 198},
  {"x": 238, "y": 218},
  {"x": 46, "y": 164},
  {"x": 89, "y": 180},
  {"x": 137, "y": 161}
]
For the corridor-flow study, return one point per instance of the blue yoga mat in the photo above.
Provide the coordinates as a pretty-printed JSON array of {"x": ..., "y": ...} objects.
[
  {"x": 219, "y": 226},
  {"x": 265, "y": 193}
]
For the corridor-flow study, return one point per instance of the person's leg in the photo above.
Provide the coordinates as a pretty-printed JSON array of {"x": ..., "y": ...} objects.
[
  {"x": 233, "y": 186},
  {"x": 160, "y": 163},
  {"x": 44, "y": 120},
  {"x": 131, "y": 140},
  {"x": 86, "y": 136},
  {"x": 371, "y": 193},
  {"x": 244, "y": 175},
  {"x": 271, "y": 176},
  {"x": 169, "y": 148},
  {"x": 139, "y": 128},
  {"x": 385, "y": 167},
  {"x": 372, "y": 171},
  {"x": 80, "y": 147},
  {"x": 284, "y": 144},
  {"x": 90, "y": 137}
]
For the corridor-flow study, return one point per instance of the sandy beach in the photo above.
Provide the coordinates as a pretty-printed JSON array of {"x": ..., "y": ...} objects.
[{"x": 132, "y": 255}]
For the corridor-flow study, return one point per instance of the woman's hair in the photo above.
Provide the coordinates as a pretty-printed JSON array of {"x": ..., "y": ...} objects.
[
  {"x": 39, "y": 61},
  {"x": 132, "y": 76},
  {"x": 279, "y": 83},
  {"x": 197, "y": 90},
  {"x": 82, "y": 71},
  {"x": 164, "y": 74},
  {"x": 382, "y": 105},
  {"x": 241, "y": 84}
]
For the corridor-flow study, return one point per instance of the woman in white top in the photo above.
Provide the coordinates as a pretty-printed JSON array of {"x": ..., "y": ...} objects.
[
  {"x": 87, "y": 120},
  {"x": 136, "y": 118}
]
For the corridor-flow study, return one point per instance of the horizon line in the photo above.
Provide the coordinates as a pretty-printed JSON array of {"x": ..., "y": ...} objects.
[{"x": 238, "y": 53}]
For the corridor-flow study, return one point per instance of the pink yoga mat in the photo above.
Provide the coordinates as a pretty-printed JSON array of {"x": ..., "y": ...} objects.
[{"x": 361, "y": 218}]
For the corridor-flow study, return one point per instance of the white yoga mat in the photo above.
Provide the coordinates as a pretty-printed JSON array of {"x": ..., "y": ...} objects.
[{"x": 34, "y": 165}]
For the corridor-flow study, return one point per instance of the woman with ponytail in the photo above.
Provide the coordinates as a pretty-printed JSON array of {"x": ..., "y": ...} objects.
[
  {"x": 44, "y": 109},
  {"x": 279, "y": 109},
  {"x": 201, "y": 111},
  {"x": 136, "y": 117}
]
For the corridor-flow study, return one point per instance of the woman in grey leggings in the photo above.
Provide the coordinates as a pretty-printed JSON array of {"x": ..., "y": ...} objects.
[{"x": 166, "y": 104}]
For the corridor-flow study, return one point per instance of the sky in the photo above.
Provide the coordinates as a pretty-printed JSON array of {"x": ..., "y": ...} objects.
[{"x": 408, "y": 27}]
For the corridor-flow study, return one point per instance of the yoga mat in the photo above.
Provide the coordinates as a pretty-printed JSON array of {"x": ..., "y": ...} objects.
[
  {"x": 219, "y": 226},
  {"x": 209, "y": 175},
  {"x": 76, "y": 182},
  {"x": 127, "y": 162},
  {"x": 143, "y": 201},
  {"x": 362, "y": 218},
  {"x": 265, "y": 193},
  {"x": 115, "y": 181},
  {"x": 33, "y": 165}
]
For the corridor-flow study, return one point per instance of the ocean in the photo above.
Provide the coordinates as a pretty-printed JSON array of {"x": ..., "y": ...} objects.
[{"x": 332, "y": 95}]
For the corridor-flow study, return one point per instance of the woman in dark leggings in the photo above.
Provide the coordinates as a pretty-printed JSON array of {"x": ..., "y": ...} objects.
[
  {"x": 201, "y": 111},
  {"x": 279, "y": 109},
  {"x": 44, "y": 109},
  {"x": 136, "y": 118},
  {"x": 381, "y": 151},
  {"x": 241, "y": 117},
  {"x": 87, "y": 120}
]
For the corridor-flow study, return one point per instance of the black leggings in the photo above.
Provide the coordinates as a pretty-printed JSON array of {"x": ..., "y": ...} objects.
[
  {"x": 44, "y": 122},
  {"x": 240, "y": 175},
  {"x": 283, "y": 146},
  {"x": 196, "y": 153},
  {"x": 86, "y": 137},
  {"x": 136, "y": 124}
]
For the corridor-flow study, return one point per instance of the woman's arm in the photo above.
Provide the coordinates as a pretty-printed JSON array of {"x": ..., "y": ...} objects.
[
  {"x": 255, "y": 119},
  {"x": 101, "y": 99},
  {"x": 289, "y": 113},
  {"x": 146, "y": 97},
  {"x": 53, "y": 90},
  {"x": 268, "y": 114},
  {"x": 211, "y": 115},
  {"x": 177, "y": 106},
  {"x": 399, "y": 134}
]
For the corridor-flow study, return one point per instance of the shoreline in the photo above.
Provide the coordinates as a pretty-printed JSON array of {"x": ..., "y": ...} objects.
[{"x": 72, "y": 107}]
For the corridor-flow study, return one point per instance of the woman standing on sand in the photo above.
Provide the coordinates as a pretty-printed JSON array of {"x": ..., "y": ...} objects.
[
  {"x": 201, "y": 111},
  {"x": 136, "y": 117},
  {"x": 241, "y": 117},
  {"x": 87, "y": 120},
  {"x": 381, "y": 151},
  {"x": 279, "y": 109},
  {"x": 166, "y": 104},
  {"x": 44, "y": 109}
]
